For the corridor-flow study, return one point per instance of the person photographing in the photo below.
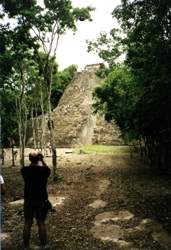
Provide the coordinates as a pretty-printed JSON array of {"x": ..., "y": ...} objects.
[{"x": 35, "y": 198}]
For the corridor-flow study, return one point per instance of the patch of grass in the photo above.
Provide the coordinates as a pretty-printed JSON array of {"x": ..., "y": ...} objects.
[{"x": 103, "y": 149}]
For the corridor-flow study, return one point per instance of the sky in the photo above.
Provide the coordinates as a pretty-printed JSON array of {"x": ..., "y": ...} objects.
[{"x": 72, "y": 49}]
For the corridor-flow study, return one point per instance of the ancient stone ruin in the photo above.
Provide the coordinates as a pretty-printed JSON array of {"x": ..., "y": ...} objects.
[
  {"x": 75, "y": 124},
  {"x": 74, "y": 121}
]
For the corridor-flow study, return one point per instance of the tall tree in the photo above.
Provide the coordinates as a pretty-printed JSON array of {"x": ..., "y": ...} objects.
[
  {"x": 42, "y": 27},
  {"x": 147, "y": 28},
  {"x": 48, "y": 25}
]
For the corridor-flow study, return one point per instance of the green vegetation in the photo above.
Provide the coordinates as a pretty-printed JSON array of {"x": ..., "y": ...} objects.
[
  {"x": 29, "y": 36},
  {"x": 59, "y": 83},
  {"x": 116, "y": 98},
  {"x": 136, "y": 93},
  {"x": 102, "y": 149}
]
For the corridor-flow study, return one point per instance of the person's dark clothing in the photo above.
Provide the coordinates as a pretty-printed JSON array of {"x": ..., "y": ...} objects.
[
  {"x": 35, "y": 191},
  {"x": 38, "y": 210},
  {"x": 35, "y": 178}
]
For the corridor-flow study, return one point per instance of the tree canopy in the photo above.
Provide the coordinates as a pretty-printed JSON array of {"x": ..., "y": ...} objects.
[
  {"x": 138, "y": 97},
  {"x": 29, "y": 36}
]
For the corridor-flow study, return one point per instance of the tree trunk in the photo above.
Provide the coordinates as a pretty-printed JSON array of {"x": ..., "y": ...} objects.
[
  {"x": 12, "y": 152},
  {"x": 52, "y": 143},
  {"x": 43, "y": 124},
  {"x": 22, "y": 116},
  {"x": 48, "y": 80},
  {"x": 36, "y": 129},
  {"x": 33, "y": 128}
]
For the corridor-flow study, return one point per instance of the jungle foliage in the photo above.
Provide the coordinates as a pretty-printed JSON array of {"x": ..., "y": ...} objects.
[
  {"x": 136, "y": 93},
  {"x": 30, "y": 81}
]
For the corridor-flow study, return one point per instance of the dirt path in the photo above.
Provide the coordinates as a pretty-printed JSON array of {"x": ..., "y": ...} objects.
[{"x": 102, "y": 203}]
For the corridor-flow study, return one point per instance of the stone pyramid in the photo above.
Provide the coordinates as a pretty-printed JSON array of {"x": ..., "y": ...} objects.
[{"x": 74, "y": 121}]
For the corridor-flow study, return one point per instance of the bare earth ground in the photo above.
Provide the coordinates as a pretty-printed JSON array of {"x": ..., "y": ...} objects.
[{"x": 103, "y": 202}]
